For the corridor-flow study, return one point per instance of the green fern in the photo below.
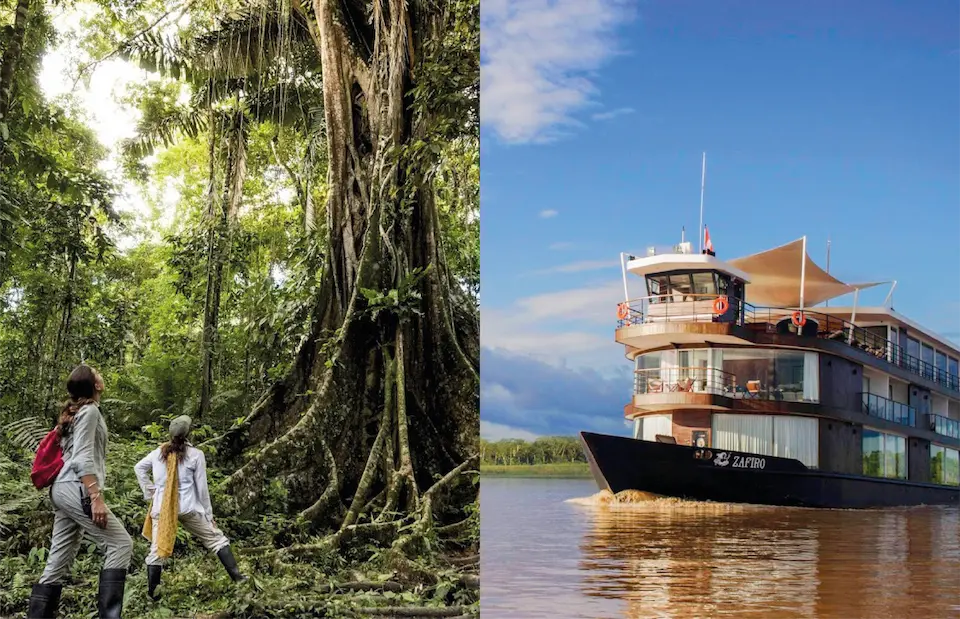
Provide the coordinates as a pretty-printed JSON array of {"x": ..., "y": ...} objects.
[{"x": 27, "y": 433}]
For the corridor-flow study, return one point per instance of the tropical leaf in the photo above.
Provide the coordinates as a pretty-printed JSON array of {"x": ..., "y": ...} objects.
[{"x": 27, "y": 433}]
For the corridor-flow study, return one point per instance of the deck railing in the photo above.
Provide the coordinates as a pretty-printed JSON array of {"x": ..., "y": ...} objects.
[
  {"x": 945, "y": 426},
  {"x": 683, "y": 380},
  {"x": 704, "y": 308},
  {"x": 889, "y": 410}
]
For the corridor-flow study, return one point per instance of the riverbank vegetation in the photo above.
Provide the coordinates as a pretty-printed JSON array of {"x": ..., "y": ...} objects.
[
  {"x": 557, "y": 469},
  {"x": 548, "y": 453},
  {"x": 286, "y": 249}
]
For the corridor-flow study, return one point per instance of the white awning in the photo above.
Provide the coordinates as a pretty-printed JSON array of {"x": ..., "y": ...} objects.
[{"x": 775, "y": 278}]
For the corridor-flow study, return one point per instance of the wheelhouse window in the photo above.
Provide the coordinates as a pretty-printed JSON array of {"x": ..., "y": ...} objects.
[
  {"x": 884, "y": 455},
  {"x": 944, "y": 465},
  {"x": 704, "y": 284},
  {"x": 681, "y": 286}
]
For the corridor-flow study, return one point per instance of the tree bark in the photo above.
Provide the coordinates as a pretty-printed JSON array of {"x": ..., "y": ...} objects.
[
  {"x": 11, "y": 57},
  {"x": 219, "y": 239},
  {"x": 390, "y": 389}
]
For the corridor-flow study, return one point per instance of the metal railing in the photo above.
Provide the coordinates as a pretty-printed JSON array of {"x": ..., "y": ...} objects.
[
  {"x": 701, "y": 308},
  {"x": 889, "y": 410},
  {"x": 677, "y": 308},
  {"x": 683, "y": 379},
  {"x": 945, "y": 426}
]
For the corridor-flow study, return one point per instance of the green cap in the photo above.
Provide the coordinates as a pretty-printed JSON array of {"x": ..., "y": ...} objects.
[{"x": 180, "y": 426}]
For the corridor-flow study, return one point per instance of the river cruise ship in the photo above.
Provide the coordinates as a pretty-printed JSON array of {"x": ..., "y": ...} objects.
[{"x": 750, "y": 388}]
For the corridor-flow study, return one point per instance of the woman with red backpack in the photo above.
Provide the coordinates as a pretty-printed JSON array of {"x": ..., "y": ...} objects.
[{"x": 79, "y": 508}]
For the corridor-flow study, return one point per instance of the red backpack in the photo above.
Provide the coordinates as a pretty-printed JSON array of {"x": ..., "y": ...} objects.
[{"x": 48, "y": 461}]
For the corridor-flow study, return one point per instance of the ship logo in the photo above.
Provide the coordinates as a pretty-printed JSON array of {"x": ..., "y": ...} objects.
[{"x": 722, "y": 459}]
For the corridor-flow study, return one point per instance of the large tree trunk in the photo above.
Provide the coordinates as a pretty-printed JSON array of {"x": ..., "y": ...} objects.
[
  {"x": 383, "y": 395},
  {"x": 11, "y": 58},
  {"x": 219, "y": 239}
]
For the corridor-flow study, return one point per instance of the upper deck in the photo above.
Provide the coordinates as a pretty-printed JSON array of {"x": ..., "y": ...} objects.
[{"x": 764, "y": 300}]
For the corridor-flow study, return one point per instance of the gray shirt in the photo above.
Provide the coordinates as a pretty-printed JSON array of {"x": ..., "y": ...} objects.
[{"x": 85, "y": 447}]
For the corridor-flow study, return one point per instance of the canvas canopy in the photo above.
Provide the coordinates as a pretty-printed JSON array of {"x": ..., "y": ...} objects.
[{"x": 775, "y": 278}]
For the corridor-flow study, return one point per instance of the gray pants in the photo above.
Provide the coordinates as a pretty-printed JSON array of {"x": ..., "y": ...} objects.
[
  {"x": 197, "y": 525},
  {"x": 69, "y": 526}
]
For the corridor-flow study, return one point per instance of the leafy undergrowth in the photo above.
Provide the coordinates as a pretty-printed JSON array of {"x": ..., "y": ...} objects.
[{"x": 356, "y": 581}]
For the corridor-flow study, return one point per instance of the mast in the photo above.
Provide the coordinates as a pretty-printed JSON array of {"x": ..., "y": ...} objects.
[
  {"x": 623, "y": 269},
  {"x": 703, "y": 180},
  {"x": 803, "y": 276}
]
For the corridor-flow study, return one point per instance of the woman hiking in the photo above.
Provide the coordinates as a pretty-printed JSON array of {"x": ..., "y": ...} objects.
[
  {"x": 79, "y": 508},
  {"x": 179, "y": 466}
]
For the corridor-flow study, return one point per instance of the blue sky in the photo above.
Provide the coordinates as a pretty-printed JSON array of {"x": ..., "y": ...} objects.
[{"x": 821, "y": 118}]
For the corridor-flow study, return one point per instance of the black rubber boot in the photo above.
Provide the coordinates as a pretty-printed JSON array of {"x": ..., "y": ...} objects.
[
  {"x": 110, "y": 597},
  {"x": 153, "y": 580},
  {"x": 44, "y": 601},
  {"x": 226, "y": 557}
]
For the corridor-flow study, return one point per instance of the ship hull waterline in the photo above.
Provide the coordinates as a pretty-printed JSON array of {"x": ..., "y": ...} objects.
[{"x": 619, "y": 463}]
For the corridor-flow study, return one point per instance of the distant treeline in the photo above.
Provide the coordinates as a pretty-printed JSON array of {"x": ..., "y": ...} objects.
[{"x": 544, "y": 450}]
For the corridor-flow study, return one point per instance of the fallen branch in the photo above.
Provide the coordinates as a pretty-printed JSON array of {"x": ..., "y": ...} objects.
[
  {"x": 468, "y": 560},
  {"x": 362, "y": 586},
  {"x": 415, "y": 611}
]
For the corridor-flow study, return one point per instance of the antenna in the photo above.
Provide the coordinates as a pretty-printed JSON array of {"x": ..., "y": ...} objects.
[{"x": 703, "y": 179}]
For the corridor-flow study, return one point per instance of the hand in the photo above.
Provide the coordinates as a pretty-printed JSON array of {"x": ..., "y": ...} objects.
[{"x": 99, "y": 512}]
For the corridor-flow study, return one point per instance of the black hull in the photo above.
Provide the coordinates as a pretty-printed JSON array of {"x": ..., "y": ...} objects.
[{"x": 620, "y": 463}]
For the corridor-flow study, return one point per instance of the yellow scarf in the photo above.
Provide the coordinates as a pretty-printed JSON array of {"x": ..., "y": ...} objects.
[{"x": 167, "y": 529}]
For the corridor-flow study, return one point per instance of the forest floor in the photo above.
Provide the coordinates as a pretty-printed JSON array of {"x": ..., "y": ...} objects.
[
  {"x": 557, "y": 469},
  {"x": 355, "y": 581}
]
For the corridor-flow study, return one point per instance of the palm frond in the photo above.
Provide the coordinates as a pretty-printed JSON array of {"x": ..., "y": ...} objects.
[{"x": 164, "y": 130}]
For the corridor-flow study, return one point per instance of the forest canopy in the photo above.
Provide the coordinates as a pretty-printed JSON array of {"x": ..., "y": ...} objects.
[{"x": 284, "y": 245}]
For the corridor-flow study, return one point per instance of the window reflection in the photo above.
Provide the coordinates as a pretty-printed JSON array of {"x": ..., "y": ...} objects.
[
  {"x": 884, "y": 455},
  {"x": 745, "y": 373},
  {"x": 944, "y": 465}
]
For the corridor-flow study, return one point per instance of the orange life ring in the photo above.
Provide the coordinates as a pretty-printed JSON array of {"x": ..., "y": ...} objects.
[
  {"x": 720, "y": 305},
  {"x": 623, "y": 311},
  {"x": 798, "y": 319}
]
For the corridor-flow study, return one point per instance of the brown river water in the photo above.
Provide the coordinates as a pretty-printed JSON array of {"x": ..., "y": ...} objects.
[{"x": 554, "y": 548}]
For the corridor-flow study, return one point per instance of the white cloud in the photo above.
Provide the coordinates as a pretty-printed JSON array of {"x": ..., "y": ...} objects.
[
  {"x": 548, "y": 213},
  {"x": 581, "y": 266},
  {"x": 497, "y": 431},
  {"x": 572, "y": 326},
  {"x": 621, "y": 111},
  {"x": 537, "y": 57}
]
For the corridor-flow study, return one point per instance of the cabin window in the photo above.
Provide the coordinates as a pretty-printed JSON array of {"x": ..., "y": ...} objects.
[
  {"x": 941, "y": 365},
  {"x": 913, "y": 350},
  {"x": 884, "y": 455},
  {"x": 944, "y": 465},
  {"x": 740, "y": 373},
  {"x": 926, "y": 355},
  {"x": 652, "y": 425},
  {"x": 781, "y": 436}
]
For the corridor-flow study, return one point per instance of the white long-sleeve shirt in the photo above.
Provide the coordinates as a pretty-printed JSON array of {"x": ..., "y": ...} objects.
[{"x": 191, "y": 478}]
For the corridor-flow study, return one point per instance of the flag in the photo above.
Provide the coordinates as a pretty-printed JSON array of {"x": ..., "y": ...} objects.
[{"x": 707, "y": 244}]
